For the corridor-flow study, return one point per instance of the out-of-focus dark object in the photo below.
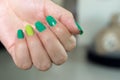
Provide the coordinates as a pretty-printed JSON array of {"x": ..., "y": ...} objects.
[
  {"x": 71, "y": 6},
  {"x": 1, "y": 46},
  {"x": 106, "y": 46}
]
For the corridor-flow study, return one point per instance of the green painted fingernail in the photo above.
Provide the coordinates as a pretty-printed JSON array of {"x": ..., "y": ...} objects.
[
  {"x": 51, "y": 21},
  {"x": 20, "y": 34},
  {"x": 80, "y": 29},
  {"x": 40, "y": 26},
  {"x": 29, "y": 30}
]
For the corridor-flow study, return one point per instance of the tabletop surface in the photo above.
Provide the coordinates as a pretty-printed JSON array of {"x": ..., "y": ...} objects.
[{"x": 76, "y": 68}]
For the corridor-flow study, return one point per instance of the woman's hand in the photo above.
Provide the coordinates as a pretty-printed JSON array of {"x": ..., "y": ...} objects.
[{"x": 43, "y": 43}]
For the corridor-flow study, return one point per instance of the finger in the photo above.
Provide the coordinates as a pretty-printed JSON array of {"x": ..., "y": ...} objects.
[
  {"x": 22, "y": 57},
  {"x": 54, "y": 48},
  {"x": 62, "y": 33},
  {"x": 38, "y": 54},
  {"x": 64, "y": 16}
]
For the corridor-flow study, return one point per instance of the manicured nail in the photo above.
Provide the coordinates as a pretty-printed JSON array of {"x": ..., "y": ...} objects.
[
  {"x": 80, "y": 29},
  {"x": 20, "y": 34},
  {"x": 40, "y": 26},
  {"x": 51, "y": 21},
  {"x": 29, "y": 30}
]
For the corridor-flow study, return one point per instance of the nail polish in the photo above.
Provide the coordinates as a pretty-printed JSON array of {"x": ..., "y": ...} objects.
[
  {"x": 51, "y": 21},
  {"x": 80, "y": 29},
  {"x": 29, "y": 30},
  {"x": 40, "y": 26},
  {"x": 20, "y": 34}
]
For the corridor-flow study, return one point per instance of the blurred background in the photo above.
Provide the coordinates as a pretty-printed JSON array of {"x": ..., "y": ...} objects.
[{"x": 97, "y": 55}]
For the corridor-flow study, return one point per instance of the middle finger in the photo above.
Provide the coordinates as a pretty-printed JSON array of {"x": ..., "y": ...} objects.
[{"x": 54, "y": 48}]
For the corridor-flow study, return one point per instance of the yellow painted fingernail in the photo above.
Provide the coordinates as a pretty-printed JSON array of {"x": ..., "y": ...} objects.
[{"x": 29, "y": 30}]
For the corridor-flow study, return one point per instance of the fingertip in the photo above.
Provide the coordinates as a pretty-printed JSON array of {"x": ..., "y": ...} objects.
[
  {"x": 71, "y": 25},
  {"x": 79, "y": 28}
]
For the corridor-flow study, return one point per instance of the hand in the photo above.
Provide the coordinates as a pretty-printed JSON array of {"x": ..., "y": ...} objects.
[{"x": 39, "y": 48}]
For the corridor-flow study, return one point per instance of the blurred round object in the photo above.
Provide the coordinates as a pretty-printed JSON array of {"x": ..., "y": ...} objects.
[
  {"x": 106, "y": 46},
  {"x": 108, "y": 40}
]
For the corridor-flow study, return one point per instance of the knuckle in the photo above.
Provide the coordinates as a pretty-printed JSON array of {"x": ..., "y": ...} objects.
[
  {"x": 25, "y": 66},
  {"x": 72, "y": 44},
  {"x": 47, "y": 39},
  {"x": 58, "y": 30},
  {"x": 68, "y": 13},
  {"x": 44, "y": 67},
  {"x": 61, "y": 60},
  {"x": 71, "y": 15}
]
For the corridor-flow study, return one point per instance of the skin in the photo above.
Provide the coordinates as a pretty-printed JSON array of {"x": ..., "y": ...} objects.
[{"x": 41, "y": 49}]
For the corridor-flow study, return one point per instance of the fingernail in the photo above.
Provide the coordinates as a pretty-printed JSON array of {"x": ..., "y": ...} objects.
[
  {"x": 40, "y": 26},
  {"x": 51, "y": 21},
  {"x": 20, "y": 34},
  {"x": 80, "y": 29},
  {"x": 29, "y": 30}
]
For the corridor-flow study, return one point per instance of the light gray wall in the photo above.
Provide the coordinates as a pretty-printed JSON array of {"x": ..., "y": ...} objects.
[{"x": 93, "y": 15}]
